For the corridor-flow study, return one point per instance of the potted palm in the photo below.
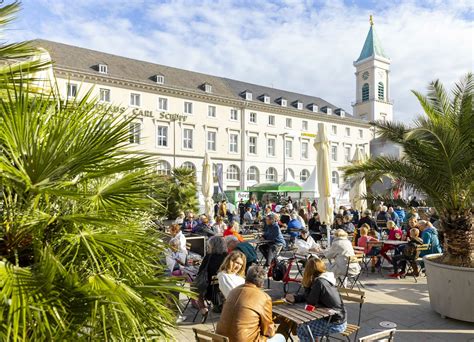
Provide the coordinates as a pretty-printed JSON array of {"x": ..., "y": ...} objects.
[{"x": 438, "y": 161}]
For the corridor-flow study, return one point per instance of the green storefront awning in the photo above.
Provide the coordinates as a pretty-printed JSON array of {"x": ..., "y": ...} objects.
[{"x": 276, "y": 187}]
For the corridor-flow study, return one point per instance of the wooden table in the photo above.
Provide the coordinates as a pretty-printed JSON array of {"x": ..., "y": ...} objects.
[
  {"x": 297, "y": 314},
  {"x": 394, "y": 242}
]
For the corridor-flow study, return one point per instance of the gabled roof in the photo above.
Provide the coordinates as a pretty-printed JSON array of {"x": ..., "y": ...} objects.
[{"x": 372, "y": 46}]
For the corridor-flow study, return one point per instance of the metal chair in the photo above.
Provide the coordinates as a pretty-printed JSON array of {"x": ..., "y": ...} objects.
[
  {"x": 385, "y": 336},
  {"x": 216, "y": 298},
  {"x": 351, "y": 296},
  {"x": 417, "y": 260},
  {"x": 207, "y": 336},
  {"x": 352, "y": 278}
]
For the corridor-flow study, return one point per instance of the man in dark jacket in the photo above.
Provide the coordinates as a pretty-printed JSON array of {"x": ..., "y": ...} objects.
[
  {"x": 245, "y": 247},
  {"x": 272, "y": 233}
]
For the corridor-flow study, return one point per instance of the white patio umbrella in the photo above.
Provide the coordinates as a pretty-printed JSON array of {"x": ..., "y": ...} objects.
[
  {"x": 207, "y": 184},
  {"x": 359, "y": 188},
  {"x": 325, "y": 203}
]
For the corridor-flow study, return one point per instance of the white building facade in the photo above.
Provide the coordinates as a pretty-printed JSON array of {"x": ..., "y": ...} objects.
[{"x": 256, "y": 134}]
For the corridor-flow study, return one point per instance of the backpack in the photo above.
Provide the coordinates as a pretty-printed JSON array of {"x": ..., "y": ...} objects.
[{"x": 279, "y": 271}]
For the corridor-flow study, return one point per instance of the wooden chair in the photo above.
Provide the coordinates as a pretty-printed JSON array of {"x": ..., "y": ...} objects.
[
  {"x": 206, "y": 336},
  {"x": 418, "y": 260},
  {"x": 386, "y": 336},
  {"x": 350, "y": 295}
]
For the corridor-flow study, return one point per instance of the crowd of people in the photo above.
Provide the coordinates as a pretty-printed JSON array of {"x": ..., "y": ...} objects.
[{"x": 233, "y": 261}]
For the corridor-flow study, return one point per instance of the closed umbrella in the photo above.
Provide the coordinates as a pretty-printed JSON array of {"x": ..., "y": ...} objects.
[
  {"x": 325, "y": 207},
  {"x": 207, "y": 183},
  {"x": 359, "y": 187}
]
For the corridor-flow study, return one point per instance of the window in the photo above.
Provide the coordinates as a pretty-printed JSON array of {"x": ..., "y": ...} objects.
[
  {"x": 162, "y": 103},
  {"x": 266, "y": 99},
  {"x": 335, "y": 178},
  {"x": 104, "y": 95},
  {"x": 211, "y": 111},
  {"x": 160, "y": 79},
  {"x": 253, "y": 174},
  {"x": 134, "y": 129},
  {"x": 334, "y": 129},
  {"x": 299, "y": 105},
  {"x": 289, "y": 148},
  {"x": 253, "y": 145},
  {"x": 162, "y": 136},
  {"x": 290, "y": 173},
  {"x": 234, "y": 115},
  {"x": 288, "y": 123},
  {"x": 271, "y": 120},
  {"x": 207, "y": 88},
  {"x": 334, "y": 152},
  {"x": 383, "y": 116},
  {"x": 164, "y": 168},
  {"x": 253, "y": 117},
  {"x": 188, "y": 138},
  {"x": 188, "y": 107},
  {"x": 248, "y": 96},
  {"x": 328, "y": 111},
  {"x": 71, "y": 90},
  {"x": 233, "y": 172},
  {"x": 347, "y": 153},
  {"x": 103, "y": 68},
  {"x": 365, "y": 92},
  {"x": 189, "y": 166},
  {"x": 271, "y": 174},
  {"x": 361, "y": 133},
  {"x": 304, "y": 149},
  {"x": 211, "y": 140},
  {"x": 304, "y": 175},
  {"x": 283, "y": 102},
  {"x": 314, "y": 108},
  {"x": 135, "y": 99},
  {"x": 234, "y": 143},
  {"x": 348, "y": 131},
  {"x": 271, "y": 147},
  {"x": 381, "y": 91},
  {"x": 304, "y": 125}
]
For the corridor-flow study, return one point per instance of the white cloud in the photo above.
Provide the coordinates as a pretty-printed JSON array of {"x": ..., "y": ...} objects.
[{"x": 304, "y": 46}]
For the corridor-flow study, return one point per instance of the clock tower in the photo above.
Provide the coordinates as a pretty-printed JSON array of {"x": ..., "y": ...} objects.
[{"x": 372, "y": 81}]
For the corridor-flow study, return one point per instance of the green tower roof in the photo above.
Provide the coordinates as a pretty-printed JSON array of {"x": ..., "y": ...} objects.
[{"x": 372, "y": 46}]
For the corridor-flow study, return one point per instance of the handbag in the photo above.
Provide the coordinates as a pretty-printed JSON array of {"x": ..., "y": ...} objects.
[{"x": 201, "y": 282}]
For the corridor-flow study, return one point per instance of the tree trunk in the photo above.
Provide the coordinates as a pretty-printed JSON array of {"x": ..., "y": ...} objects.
[{"x": 458, "y": 229}]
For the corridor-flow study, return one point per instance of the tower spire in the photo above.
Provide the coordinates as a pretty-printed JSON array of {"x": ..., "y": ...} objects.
[{"x": 371, "y": 20}]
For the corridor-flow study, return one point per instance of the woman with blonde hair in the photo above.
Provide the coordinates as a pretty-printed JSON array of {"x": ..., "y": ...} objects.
[
  {"x": 232, "y": 272},
  {"x": 320, "y": 291}
]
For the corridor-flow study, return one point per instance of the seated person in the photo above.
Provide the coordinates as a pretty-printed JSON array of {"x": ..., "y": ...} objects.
[
  {"x": 204, "y": 227},
  {"x": 338, "y": 222},
  {"x": 294, "y": 226},
  {"x": 233, "y": 230},
  {"x": 271, "y": 232},
  {"x": 314, "y": 226},
  {"x": 284, "y": 216},
  {"x": 305, "y": 243},
  {"x": 219, "y": 226},
  {"x": 247, "y": 313},
  {"x": 248, "y": 217},
  {"x": 364, "y": 240},
  {"x": 341, "y": 250},
  {"x": 408, "y": 254},
  {"x": 174, "y": 257},
  {"x": 394, "y": 233},
  {"x": 231, "y": 273},
  {"x": 176, "y": 233},
  {"x": 347, "y": 224},
  {"x": 189, "y": 224},
  {"x": 429, "y": 234},
  {"x": 246, "y": 248},
  {"x": 320, "y": 291}
]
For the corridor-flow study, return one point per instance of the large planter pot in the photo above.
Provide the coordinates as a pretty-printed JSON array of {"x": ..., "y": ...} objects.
[{"x": 451, "y": 289}]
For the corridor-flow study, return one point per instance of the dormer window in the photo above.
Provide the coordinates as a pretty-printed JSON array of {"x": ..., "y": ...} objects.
[
  {"x": 298, "y": 104},
  {"x": 160, "y": 79},
  {"x": 265, "y": 98},
  {"x": 326, "y": 110},
  {"x": 247, "y": 94},
  {"x": 340, "y": 112},
  {"x": 103, "y": 68},
  {"x": 314, "y": 107},
  {"x": 207, "y": 87},
  {"x": 282, "y": 101}
]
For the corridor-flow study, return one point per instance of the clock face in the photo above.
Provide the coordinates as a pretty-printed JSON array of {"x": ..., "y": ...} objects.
[{"x": 365, "y": 75}]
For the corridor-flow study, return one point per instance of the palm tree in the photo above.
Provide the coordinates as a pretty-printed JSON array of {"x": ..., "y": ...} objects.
[
  {"x": 437, "y": 161},
  {"x": 183, "y": 189}
]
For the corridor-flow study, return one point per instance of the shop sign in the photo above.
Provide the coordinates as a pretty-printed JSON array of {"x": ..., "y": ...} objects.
[{"x": 309, "y": 135}]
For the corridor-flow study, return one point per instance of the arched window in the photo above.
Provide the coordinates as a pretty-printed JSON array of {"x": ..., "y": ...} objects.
[
  {"x": 304, "y": 175},
  {"x": 164, "y": 168},
  {"x": 189, "y": 166},
  {"x": 271, "y": 175},
  {"x": 233, "y": 172},
  {"x": 252, "y": 174},
  {"x": 381, "y": 91},
  {"x": 290, "y": 173},
  {"x": 335, "y": 178},
  {"x": 365, "y": 92}
]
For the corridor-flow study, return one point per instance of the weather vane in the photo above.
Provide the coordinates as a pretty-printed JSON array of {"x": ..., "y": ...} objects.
[{"x": 371, "y": 20}]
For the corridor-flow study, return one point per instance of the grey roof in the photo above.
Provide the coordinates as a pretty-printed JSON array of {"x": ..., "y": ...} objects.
[{"x": 86, "y": 60}]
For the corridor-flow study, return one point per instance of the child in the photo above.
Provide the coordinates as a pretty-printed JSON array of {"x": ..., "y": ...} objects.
[
  {"x": 408, "y": 254},
  {"x": 174, "y": 257},
  {"x": 364, "y": 240}
]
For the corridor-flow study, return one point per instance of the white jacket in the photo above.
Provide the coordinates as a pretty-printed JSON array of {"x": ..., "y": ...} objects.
[
  {"x": 228, "y": 282},
  {"x": 303, "y": 246},
  {"x": 340, "y": 250}
]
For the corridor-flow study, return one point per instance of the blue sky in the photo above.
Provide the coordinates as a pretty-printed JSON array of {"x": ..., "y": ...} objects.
[{"x": 299, "y": 45}]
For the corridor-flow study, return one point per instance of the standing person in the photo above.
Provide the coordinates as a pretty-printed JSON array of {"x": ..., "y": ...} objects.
[
  {"x": 216, "y": 209},
  {"x": 223, "y": 209},
  {"x": 320, "y": 291},
  {"x": 272, "y": 233},
  {"x": 241, "y": 208},
  {"x": 231, "y": 273},
  {"x": 247, "y": 313},
  {"x": 341, "y": 250}
]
